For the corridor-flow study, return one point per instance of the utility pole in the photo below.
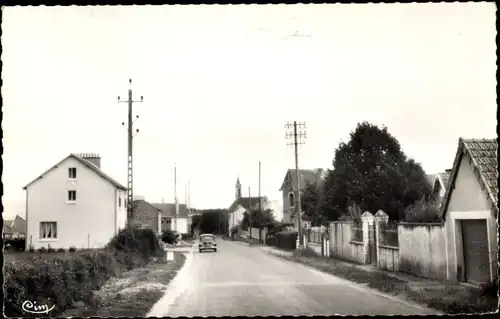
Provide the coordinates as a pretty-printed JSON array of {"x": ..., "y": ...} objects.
[
  {"x": 175, "y": 197},
  {"x": 249, "y": 216},
  {"x": 130, "y": 175},
  {"x": 296, "y": 137},
  {"x": 260, "y": 201}
]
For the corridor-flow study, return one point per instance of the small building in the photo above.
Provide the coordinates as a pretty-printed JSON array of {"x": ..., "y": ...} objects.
[
  {"x": 14, "y": 228},
  {"x": 469, "y": 211},
  {"x": 172, "y": 221},
  {"x": 289, "y": 186},
  {"x": 74, "y": 203},
  {"x": 241, "y": 204},
  {"x": 147, "y": 214}
]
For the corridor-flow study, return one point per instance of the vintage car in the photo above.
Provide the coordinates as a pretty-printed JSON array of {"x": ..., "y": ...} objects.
[{"x": 207, "y": 242}]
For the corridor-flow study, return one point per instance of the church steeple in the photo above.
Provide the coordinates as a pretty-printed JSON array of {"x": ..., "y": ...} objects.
[{"x": 238, "y": 188}]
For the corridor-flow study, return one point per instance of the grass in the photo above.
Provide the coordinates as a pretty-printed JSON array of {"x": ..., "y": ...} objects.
[
  {"x": 134, "y": 293},
  {"x": 445, "y": 297}
]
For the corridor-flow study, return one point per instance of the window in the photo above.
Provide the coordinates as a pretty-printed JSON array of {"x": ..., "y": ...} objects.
[
  {"x": 48, "y": 230},
  {"x": 72, "y": 173},
  {"x": 120, "y": 201},
  {"x": 291, "y": 199},
  {"x": 71, "y": 196}
]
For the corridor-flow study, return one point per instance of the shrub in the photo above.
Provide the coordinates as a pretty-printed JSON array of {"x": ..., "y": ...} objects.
[
  {"x": 31, "y": 249},
  {"x": 61, "y": 250},
  {"x": 284, "y": 240},
  {"x": 142, "y": 241},
  {"x": 50, "y": 249},
  {"x": 169, "y": 237},
  {"x": 422, "y": 211},
  {"x": 72, "y": 249},
  {"x": 42, "y": 250},
  {"x": 64, "y": 279}
]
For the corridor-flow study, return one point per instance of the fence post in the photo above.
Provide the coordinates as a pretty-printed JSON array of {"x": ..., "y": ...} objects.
[
  {"x": 368, "y": 243},
  {"x": 380, "y": 218}
]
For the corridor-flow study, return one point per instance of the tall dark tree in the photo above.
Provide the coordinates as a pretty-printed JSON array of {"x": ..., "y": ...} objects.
[
  {"x": 372, "y": 171},
  {"x": 310, "y": 200}
]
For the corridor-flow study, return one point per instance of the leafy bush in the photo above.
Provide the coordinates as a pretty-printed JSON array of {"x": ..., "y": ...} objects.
[
  {"x": 42, "y": 250},
  {"x": 284, "y": 240},
  {"x": 72, "y": 249},
  {"x": 50, "y": 249},
  {"x": 142, "y": 241},
  {"x": 169, "y": 237},
  {"x": 422, "y": 211},
  {"x": 31, "y": 249},
  {"x": 61, "y": 250},
  {"x": 65, "y": 279}
]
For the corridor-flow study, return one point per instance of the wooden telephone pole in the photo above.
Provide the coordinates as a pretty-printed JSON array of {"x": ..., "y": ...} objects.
[
  {"x": 130, "y": 175},
  {"x": 296, "y": 141}
]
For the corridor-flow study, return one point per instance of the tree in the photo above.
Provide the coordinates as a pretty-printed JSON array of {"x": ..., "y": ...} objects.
[
  {"x": 372, "y": 171},
  {"x": 259, "y": 218},
  {"x": 310, "y": 199},
  {"x": 213, "y": 221}
]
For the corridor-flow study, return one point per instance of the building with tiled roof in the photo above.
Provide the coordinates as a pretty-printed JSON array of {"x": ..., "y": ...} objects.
[
  {"x": 289, "y": 186},
  {"x": 241, "y": 204},
  {"x": 469, "y": 211},
  {"x": 439, "y": 183},
  {"x": 172, "y": 221},
  {"x": 74, "y": 203}
]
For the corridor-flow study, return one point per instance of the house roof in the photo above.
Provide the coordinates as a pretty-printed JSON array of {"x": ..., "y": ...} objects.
[
  {"x": 136, "y": 202},
  {"x": 168, "y": 210},
  {"x": 86, "y": 163},
  {"x": 306, "y": 176},
  {"x": 483, "y": 157},
  {"x": 245, "y": 202},
  {"x": 15, "y": 225}
]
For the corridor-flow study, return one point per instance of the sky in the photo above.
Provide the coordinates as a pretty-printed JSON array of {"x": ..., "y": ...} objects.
[{"x": 220, "y": 82}]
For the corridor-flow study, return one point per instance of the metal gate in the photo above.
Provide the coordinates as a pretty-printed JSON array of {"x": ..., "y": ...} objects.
[{"x": 475, "y": 251}]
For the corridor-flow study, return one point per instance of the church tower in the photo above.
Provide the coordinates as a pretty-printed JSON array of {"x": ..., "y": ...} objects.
[{"x": 238, "y": 188}]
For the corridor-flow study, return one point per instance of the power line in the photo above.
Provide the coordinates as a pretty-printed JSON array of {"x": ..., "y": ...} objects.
[
  {"x": 298, "y": 138},
  {"x": 130, "y": 175}
]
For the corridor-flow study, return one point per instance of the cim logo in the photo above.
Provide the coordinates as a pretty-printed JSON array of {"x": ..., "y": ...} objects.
[{"x": 33, "y": 307}]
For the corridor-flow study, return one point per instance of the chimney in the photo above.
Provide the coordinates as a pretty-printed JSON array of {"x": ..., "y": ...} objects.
[{"x": 94, "y": 158}]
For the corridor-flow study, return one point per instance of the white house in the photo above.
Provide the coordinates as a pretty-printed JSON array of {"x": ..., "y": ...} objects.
[
  {"x": 74, "y": 203},
  {"x": 169, "y": 220},
  {"x": 241, "y": 204}
]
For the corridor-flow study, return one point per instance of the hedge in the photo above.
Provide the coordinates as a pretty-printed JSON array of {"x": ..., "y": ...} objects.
[
  {"x": 71, "y": 277},
  {"x": 284, "y": 240}
]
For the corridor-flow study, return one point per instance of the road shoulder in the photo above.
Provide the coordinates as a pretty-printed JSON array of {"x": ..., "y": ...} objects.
[
  {"x": 133, "y": 293},
  {"x": 441, "y": 296}
]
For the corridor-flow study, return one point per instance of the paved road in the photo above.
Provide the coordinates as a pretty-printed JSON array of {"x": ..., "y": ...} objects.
[{"x": 246, "y": 281}]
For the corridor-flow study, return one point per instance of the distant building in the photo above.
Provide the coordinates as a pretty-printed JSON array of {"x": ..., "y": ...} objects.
[
  {"x": 169, "y": 220},
  {"x": 14, "y": 228},
  {"x": 74, "y": 203},
  {"x": 147, "y": 214},
  {"x": 241, "y": 204},
  {"x": 439, "y": 183},
  {"x": 289, "y": 186}
]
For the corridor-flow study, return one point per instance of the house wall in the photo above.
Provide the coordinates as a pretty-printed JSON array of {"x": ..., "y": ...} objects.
[
  {"x": 341, "y": 245},
  {"x": 121, "y": 209},
  {"x": 287, "y": 209},
  {"x": 422, "y": 250},
  {"x": 467, "y": 201},
  {"x": 182, "y": 225},
  {"x": 88, "y": 223},
  {"x": 148, "y": 215}
]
